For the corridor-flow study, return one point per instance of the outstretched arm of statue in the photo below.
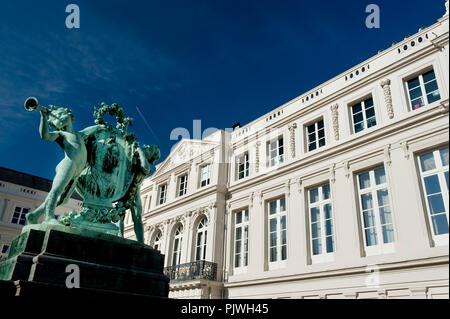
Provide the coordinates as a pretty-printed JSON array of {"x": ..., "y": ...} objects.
[{"x": 43, "y": 127}]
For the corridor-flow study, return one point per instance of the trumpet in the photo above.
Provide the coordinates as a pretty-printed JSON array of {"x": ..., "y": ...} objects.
[{"x": 32, "y": 104}]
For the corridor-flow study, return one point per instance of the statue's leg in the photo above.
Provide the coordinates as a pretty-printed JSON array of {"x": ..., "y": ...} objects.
[
  {"x": 136, "y": 213},
  {"x": 33, "y": 217},
  {"x": 64, "y": 174}
]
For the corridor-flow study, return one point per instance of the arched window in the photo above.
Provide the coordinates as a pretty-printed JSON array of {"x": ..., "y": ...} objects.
[
  {"x": 177, "y": 241},
  {"x": 200, "y": 252},
  {"x": 157, "y": 241}
]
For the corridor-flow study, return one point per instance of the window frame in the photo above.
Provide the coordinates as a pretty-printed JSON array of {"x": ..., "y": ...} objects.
[
  {"x": 157, "y": 240},
  {"x": 21, "y": 216},
  {"x": 363, "y": 112},
  {"x": 177, "y": 238},
  {"x": 244, "y": 240},
  {"x": 381, "y": 247},
  {"x": 182, "y": 186},
  {"x": 324, "y": 256},
  {"x": 316, "y": 134},
  {"x": 161, "y": 192},
  {"x": 424, "y": 94},
  {"x": 279, "y": 262},
  {"x": 245, "y": 164},
  {"x": 208, "y": 179},
  {"x": 202, "y": 234},
  {"x": 439, "y": 170},
  {"x": 278, "y": 158}
]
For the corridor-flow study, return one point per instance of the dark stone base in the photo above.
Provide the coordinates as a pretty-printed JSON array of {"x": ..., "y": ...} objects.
[
  {"x": 32, "y": 289},
  {"x": 38, "y": 260}
]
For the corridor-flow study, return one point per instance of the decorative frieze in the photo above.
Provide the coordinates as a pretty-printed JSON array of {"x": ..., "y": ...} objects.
[
  {"x": 257, "y": 155},
  {"x": 386, "y": 85},
  {"x": 335, "y": 120}
]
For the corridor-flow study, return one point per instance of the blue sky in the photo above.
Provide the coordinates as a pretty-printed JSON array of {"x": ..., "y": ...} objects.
[{"x": 173, "y": 62}]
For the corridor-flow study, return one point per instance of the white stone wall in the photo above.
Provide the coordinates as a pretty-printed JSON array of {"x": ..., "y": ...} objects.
[{"x": 415, "y": 265}]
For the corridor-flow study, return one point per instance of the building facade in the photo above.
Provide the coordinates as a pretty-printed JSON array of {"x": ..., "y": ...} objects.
[
  {"x": 21, "y": 193},
  {"x": 339, "y": 193}
]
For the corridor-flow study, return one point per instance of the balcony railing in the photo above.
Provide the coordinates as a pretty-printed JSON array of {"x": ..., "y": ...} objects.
[{"x": 191, "y": 271}]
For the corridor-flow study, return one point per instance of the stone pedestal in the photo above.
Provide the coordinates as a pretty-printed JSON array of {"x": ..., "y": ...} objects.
[{"x": 40, "y": 256}]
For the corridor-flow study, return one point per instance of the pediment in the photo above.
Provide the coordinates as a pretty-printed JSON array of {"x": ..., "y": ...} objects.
[{"x": 183, "y": 152}]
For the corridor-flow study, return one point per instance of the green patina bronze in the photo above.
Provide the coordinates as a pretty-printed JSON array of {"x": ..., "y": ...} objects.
[{"x": 104, "y": 164}]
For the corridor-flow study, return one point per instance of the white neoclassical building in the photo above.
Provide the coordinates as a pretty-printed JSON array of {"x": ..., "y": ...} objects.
[
  {"x": 339, "y": 193},
  {"x": 21, "y": 193}
]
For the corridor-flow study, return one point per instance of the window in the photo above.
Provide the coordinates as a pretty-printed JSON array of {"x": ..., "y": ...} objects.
[
  {"x": 5, "y": 249},
  {"x": 182, "y": 185},
  {"x": 157, "y": 241},
  {"x": 321, "y": 221},
  {"x": 162, "y": 194},
  {"x": 315, "y": 135},
  {"x": 424, "y": 83},
  {"x": 200, "y": 251},
  {"x": 434, "y": 174},
  {"x": 177, "y": 241},
  {"x": 275, "y": 150},
  {"x": 363, "y": 115},
  {"x": 375, "y": 209},
  {"x": 241, "y": 223},
  {"x": 205, "y": 175},
  {"x": 277, "y": 230},
  {"x": 243, "y": 166},
  {"x": 19, "y": 215}
]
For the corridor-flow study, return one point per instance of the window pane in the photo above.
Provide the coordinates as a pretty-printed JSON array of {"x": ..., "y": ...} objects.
[
  {"x": 427, "y": 162},
  {"x": 317, "y": 246},
  {"x": 282, "y": 204},
  {"x": 370, "y": 112},
  {"x": 273, "y": 207},
  {"x": 356, "y": 108},
  {"x": 431, "y": 86},
  {"x": 283, "y": 252},
  {"x": 388, "y": 234},
  {"x": 428, "y": 76},
  {"x": 315, "y": 214},
  {"x": 436, "y": 204},
  {"x": 321, "y": 142},
  {"x": 311, "y": 128},
  {"x": 238, "y": 217},
  {"x": 369, "y": 219},
  {"x": 413, "y": 83},
  {"x": 327, "y": 209},
  {"x": 383, "y": 197},
  {"x": 314, "y": 195},
  {"x": 371, "y": 237},
  {"x": 432, "y": 184},
  {"x": 283, "y": 223},
  {"x": 415, "y": 93},
  {"x": 328, "y": 228},
  {"x": 330, "y": 244},
  {"x": 358, "y": 118},
  {"x": 273, "y": 254},
  {"x": 444, "y": 156},
  {"x": 385, "y": 215},
  {"x": 416, "y": 104},
  {"x": 446, "y": 178},
  {"x": 371, "y": 122},
  {"x": 435, "y": 96},
  {"x": 359, "y": 127},
  {"x": 367, "y": 202},
  {"x": 312, "y": 146},
  {"x": 238, "y": 233},
  {"x": 364, "y": 180},
  {"x": 440, "y": 224},
  {"x": 380, "y": 176},
  {"x": 315, "y": 229},
  {"x": 273, "y": 225},
  {"x": 320, "y": 124},
  {"x": 326, "y": 191}
]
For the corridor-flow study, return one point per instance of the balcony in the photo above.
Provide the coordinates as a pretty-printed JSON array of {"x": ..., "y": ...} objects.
[{"x": 192, "y": 271}]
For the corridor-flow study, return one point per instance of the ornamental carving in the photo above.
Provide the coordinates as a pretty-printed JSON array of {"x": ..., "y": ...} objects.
[
  {"x": 335, "y": 120},
  {"x": 292, "y": 128},
  {"x": 386, "y": 85}
]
